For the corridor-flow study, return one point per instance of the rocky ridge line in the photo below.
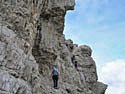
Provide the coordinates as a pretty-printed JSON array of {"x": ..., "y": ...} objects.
[{"x": 32, "y": 41}]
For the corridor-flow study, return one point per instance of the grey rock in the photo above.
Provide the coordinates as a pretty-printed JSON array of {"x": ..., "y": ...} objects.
[{"x": 32, "y": 42}]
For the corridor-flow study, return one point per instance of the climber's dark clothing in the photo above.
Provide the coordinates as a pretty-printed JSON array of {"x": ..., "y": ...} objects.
[
  {"x": 76, "y": 65},
  {"x": 55, "y": 80}
]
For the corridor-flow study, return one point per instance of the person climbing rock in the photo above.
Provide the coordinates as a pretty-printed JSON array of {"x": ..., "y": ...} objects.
[
  {"x": 76, "y": 65},
  {"x": 55, "y": 77}
]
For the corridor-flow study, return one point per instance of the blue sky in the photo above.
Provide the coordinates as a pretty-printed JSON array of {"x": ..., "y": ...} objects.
[{"x": 101, "y": 25}]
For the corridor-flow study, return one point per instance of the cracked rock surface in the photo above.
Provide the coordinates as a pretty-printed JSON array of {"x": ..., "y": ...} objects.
[{"x": 32, "y": 42}]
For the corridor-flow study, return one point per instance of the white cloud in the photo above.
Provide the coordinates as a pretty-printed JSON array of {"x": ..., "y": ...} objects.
[{"x": 113, "y": 74}]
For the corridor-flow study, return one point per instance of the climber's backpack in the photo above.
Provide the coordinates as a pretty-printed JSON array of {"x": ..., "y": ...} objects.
[{"x": 54, "y": 72}]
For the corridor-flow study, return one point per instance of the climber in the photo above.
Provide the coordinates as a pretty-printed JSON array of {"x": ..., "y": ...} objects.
[
  {"x": 76, "y": 65},
  {"x": 55, "y": 76}
]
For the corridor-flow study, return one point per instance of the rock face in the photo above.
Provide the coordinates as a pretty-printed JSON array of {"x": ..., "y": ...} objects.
[{"x": 32, "y": 42}]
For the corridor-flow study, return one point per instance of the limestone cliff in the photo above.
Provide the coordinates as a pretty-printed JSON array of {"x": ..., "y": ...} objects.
[{"x": 32, "y": 41}]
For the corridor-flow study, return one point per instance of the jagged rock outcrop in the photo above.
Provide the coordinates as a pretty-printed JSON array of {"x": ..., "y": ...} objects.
[{"x": 32, "y": 41}]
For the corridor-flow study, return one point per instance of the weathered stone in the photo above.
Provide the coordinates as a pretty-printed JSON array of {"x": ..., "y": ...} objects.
[{"x": 32, "y": 42}]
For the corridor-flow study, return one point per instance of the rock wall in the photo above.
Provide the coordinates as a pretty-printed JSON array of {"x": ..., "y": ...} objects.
[{"x": 32, "y": 42}]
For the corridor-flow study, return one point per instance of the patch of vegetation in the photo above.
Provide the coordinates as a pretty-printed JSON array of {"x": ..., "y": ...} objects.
[
  {"x": 79, "y": 90},
  {"x": 68, "y": 91}
]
